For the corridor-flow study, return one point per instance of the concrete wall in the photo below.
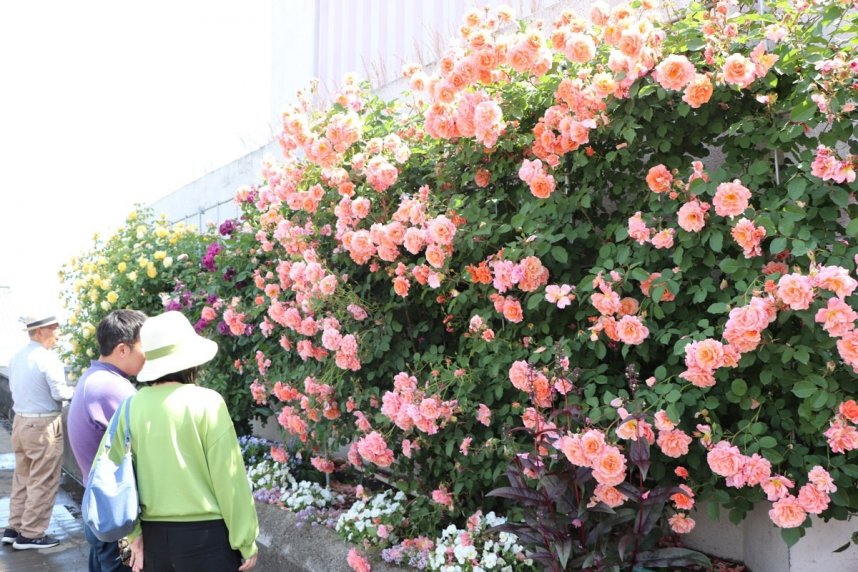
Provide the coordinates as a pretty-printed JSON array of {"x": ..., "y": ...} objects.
[
  {"x": 209, "y": 199},
  {"x": 325, "y": 39},
  {"x": 758, "y": 543}
]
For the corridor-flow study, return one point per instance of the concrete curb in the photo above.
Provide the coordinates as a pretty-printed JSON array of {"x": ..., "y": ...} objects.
[{"x": 288, "y": 547}]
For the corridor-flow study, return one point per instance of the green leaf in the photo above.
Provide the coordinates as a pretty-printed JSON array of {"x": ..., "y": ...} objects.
[
  {"x": 718, "y": 308},
  {"x": 716, "y": 241},
  {"x": 778, "y": 245},
  {"x": 796, "y": 187},
  {"x": 803, "y": 111},
  {"x": 559, "y": 254},
  {"x": 792, "y": 535},
  {"x": 739, "y": 387},
  {"x": 852, "y": 227},
  {"x": 804, "y": 389},
  {"x": 729, "y": 265},
  {"x": 768, "y": 442}
]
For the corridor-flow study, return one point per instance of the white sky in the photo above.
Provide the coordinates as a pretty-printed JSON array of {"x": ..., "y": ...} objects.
[{"x": 104, "y": 104}]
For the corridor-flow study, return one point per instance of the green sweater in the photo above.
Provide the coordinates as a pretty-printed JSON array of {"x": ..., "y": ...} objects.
[{"x": 187, "y": 460}]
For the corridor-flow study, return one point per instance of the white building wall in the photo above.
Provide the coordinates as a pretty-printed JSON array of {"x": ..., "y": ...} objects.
[{"x": 327, "y": 39}]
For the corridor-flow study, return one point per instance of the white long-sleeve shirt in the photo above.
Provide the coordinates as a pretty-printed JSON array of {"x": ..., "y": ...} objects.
[{"x": 37, "y": 380}]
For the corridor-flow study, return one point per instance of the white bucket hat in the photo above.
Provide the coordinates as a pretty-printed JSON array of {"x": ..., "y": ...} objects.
[
  {"x": 171, "y": 345},
  {"x": 34, "y": 321}
]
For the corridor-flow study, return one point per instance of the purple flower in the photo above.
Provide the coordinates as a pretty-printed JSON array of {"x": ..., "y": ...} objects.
[
  {"x": 227, "y": 227},
  {"x": 223, "y": 328},
  {"x": 173, "y": 305},
  {"x": 208, "y": 260},
  {"x": 229, "y": 274},
  {"x": 200, "y": 325}
]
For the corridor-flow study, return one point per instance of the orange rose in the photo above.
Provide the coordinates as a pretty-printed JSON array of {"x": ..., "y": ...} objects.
[{"x": 849, "y": 410}]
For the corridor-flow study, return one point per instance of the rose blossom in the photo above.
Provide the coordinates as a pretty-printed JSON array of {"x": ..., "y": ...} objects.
[
  {"x": 795, "y": 291},
  {"x": 813, "y": 500},
  {"x": 691, "y": 215},
  {"x": 631, "y": 331},
  {"x": 663, "y": 238},
  {"x": 837, "y": 318},
  {"x": 659, "y": 179},
  {"x": 841, "y": 437},
  {"x": 674, "y": 443},
  {"x": 776, "y": 487},
  {"x": 698, "y": 92},
  {"x": 725, "y": 459},
  {"x": 609, "y": 468},
  {"x": 731, "y": 199},
  {"x": 849, "y": 410},
  {"x": 609, "y": 495},
  {"x": 738, "y": 70},
  {"x": 681, "y": 524},
  {"x": 357, "y": 561},
  {"x": 787, "y": 512},
  {"x": 821, "y": 479},
  {"x": 674, "y": 72}
]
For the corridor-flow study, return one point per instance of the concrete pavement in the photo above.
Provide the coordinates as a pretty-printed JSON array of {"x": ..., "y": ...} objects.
[{"x": 72, "y": 553}]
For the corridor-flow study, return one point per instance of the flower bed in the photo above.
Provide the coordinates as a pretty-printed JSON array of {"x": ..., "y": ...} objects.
[{"x": 610, "y": 260}]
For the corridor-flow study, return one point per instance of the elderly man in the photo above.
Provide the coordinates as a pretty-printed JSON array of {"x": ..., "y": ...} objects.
[
  {"x": 98, "y": 393},
  {"x": 38, "y": 383}
]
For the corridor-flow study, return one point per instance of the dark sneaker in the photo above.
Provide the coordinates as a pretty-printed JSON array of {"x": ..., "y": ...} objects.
[
  {"x": 9, "y": 536},
  {"x": 24, "y": 543}
]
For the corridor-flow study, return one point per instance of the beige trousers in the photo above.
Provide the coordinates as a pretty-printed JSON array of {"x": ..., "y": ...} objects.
[{"x": 38, "y": 446}]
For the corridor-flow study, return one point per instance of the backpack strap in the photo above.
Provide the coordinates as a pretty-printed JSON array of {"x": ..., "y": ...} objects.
[{"x": 126, "y": 403}]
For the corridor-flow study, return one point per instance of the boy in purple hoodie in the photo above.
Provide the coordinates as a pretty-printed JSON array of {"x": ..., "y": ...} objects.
[{"x": 98, "y": 394}]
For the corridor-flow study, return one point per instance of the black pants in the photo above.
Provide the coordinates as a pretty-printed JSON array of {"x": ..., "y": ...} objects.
[{"x": 201, "y": 546}]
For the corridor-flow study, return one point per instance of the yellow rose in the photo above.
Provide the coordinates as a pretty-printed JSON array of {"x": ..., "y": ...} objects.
[
  {"x": 141, "y": 231},
  {"x": 122, "y": 266},
  {"x": 93, "y": 295},
  {"x": 102, "y": 261},
  {"x": 143, "y": 262},
  {"x": 151, "y": 272},
  {"x": 132, "y": 276},
  {"x": 89, "y": 352},
  {"x": 161, "y": 232},
  {"x": 112, "y": 297},
  {"x": 86, "y": 330},
  {"x": 168, "y": 262},
  {"x": 132, "y": 216},
  {"x": 105, "y": 305},
  {"x": 159, "y": 255},
  {"x": 73, "y": 320}
]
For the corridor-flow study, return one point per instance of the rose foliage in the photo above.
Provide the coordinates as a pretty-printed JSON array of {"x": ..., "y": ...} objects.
[{"x": 631, "y": 233}]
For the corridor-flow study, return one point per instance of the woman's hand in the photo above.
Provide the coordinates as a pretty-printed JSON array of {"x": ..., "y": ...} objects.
[
  {"x": 136, "y": 561},
  {"x": 246, "y": 565}
]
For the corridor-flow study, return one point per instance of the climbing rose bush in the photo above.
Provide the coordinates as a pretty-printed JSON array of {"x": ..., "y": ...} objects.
[{"x": 630, "y": 233}]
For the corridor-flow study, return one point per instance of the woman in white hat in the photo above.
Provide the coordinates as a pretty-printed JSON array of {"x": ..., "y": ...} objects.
[{"x": 197, "y": 511}]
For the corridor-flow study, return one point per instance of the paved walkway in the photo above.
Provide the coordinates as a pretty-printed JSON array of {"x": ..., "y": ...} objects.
[{"x": 72, "y": 553}]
